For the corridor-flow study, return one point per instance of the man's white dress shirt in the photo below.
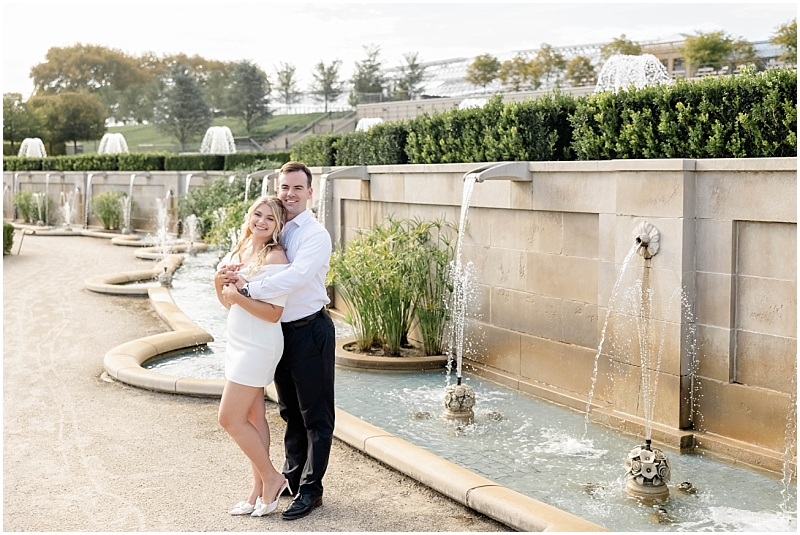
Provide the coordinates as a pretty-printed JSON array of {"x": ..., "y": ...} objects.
[{"x": 308, "y": 247}]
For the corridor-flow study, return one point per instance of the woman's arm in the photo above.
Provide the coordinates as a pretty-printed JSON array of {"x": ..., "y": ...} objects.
[{"x": 259, "y": 309}]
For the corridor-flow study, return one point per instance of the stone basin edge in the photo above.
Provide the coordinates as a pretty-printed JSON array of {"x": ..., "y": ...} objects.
[{"x": 520, "y": 512}]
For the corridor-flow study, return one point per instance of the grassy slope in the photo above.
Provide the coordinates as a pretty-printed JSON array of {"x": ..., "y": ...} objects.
[{"x": 148, "y": 138}]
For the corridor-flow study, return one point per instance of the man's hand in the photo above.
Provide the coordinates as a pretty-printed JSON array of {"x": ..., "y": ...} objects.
[{"x": 229, "y": 293}]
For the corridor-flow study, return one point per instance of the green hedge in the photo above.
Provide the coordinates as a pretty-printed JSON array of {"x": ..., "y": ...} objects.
[
  {"x": 8, "y": 237},
  {"x": 751, "y": 116},
  {"x": 240, "y": 159},
  {"x": 144, "y": 161},
  {"x": 194, "y": 162}
]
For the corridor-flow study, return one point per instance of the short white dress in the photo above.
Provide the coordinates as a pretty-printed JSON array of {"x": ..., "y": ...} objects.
[{"x": 254, "y": 345}]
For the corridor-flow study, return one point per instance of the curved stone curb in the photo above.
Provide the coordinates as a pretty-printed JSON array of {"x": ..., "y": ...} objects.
[
  {"x": 476, "y": 492},
  {"x": 348, "y": 359},
  {"x": 108, "y": 234},
  {"x": 46, "y": 231},
  {"x": 114, "y": 283},
  {"x": 152, "y": 253},
  {"x": 133, "y": 241}
]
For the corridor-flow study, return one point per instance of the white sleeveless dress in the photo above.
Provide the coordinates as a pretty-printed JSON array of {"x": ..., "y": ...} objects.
[{"x": 254, "y": 345}]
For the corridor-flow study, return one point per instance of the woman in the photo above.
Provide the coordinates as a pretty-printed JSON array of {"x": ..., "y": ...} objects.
[{"x": 255, "y": 344}]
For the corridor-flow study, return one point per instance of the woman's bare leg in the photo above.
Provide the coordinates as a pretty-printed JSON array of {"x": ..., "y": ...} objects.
[
  {"x": 257, "y": 417},
  {"x": 234, "y": 410}
]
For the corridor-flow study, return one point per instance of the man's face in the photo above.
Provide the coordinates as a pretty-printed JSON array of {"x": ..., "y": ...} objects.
[{"x": 293, "y": 190}]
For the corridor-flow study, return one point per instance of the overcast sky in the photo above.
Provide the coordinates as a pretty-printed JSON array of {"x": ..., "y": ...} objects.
[{"x": 304, "y": 34}]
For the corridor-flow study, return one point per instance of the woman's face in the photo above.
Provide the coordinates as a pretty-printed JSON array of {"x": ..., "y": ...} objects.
[{"x": 262, "y": 222}]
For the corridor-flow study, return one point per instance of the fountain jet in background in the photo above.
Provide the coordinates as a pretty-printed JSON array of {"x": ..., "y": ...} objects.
[
  {"x": 32, "y": 147},
  {"x": 620, "y": 72},
  {"x": 113, "y": 144},
  {"x": 218, "y": 140}
]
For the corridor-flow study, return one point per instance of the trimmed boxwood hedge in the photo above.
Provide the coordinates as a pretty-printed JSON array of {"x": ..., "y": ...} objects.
[
  {"x": 142, "y": 161},
  {"x": 753, "y": 115}
]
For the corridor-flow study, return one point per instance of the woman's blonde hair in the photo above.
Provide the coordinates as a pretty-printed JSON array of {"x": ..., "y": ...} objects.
[{"x": 279, "y": 212}]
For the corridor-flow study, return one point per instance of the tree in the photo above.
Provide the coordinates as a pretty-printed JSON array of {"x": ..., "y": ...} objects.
[
  {"x": 88, "y": 68},
  {"x": 326, "y": 87},
  {"x": 620, "y": 45},
  {"x": 548, "y": 63},
  {"x": 516, "y": 73},
  {"x": 19, "y": 119},
  {"x": 368, "y": 78},
  {"x": 74, "y": 117},
  {"x": 706, "y": 49},
  {"x": 581, "y": 72},
  {"x": 412, "y": 74},
  {"x": 742, "y": 53},
  {"x": 287, "y": 84},
  {"x": 786, "y": 36},
  {"x": 182, "y": 111},
  {"x": 137, "y": 102},
  {"x": 483, "y": 70},
  {"x": 249, "y": 94}
]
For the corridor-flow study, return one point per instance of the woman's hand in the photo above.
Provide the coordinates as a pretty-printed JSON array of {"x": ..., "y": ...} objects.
[{"x": 230, "y": 293}]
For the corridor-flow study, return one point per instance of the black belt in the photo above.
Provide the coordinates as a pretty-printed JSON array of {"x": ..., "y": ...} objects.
[{"x": 302, "y": 322}]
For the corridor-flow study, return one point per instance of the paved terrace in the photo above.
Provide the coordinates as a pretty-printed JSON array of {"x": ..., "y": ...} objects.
[{"x": 85, "y": 454}]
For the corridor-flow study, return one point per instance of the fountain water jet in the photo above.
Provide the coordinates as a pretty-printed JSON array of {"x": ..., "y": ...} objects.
[
  {"x": 162, "y": 235},
  {"x": 620, "y": 71},
  {"x": 40, "y": 198},
  {"x": 218, "y": 140},
  {"x": 68, "y": 207},
  {"x": 113, "y": 143},
  {"x": 190, "y": 225},
  {"x": 32, "y": 148}
]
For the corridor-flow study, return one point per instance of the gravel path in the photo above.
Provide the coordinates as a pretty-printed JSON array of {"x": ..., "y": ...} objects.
[{"x": 85, "y": 454}]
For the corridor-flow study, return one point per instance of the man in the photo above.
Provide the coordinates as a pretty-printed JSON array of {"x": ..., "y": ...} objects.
[{"x": 304, "y": 377}]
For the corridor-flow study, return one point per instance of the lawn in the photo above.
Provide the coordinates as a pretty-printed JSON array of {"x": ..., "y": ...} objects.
[{"x": 148, "y": 138}]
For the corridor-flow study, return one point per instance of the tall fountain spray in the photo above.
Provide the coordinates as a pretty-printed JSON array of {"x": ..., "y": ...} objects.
[
  {"x": 190, "y": 232},
  {"x": 112, "y": 143},
  {"x": 69, "y": 208},
  {"x": 620, "y": 72},
  {"x": 41, "y": 207},
  {"x": 218, "y": 140},
  {"x": 32, "y": 148},
  {"x": 162, "y": 236}
]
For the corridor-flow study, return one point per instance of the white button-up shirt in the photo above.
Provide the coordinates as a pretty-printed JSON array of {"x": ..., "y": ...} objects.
[{"x": 308, "y": 247}]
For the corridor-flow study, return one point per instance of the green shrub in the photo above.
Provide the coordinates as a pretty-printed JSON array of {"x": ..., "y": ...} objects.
[
  {"x": 745, "y": 116},
  {"x": 316, "y": 151},
  {"x": 107, "y": 208},
  {"x": 240, "y": 159},
  {"x": 205, "y": 200},
  {"x": 26, "y": 206},
  {"x": 8, "y": 237},
  {"x": 383, "y": 144},
  {"x": 194, "y": 162},
  {"x": 280, "y": 156},
  {"x": 14, "y": 163},
  {"x": 225, "y": 223},
  {"x": 141, "y": 161}
]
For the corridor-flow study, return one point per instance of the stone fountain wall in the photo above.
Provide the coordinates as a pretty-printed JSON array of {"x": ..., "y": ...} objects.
[
  {"x": 548, "y": 252},
  {"x": 145, "y": 191}
]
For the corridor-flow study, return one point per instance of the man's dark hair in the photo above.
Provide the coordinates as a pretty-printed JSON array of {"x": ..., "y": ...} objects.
[{"x": 290, "y": 167}]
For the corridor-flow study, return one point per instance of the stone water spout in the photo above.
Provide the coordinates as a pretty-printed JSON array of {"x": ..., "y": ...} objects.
[
  {"x": 460, "y": 398},
  {"x": 647, "y": 238},
  {"x": 647, "y": 472},
  {"x": 358, "y": 172}
]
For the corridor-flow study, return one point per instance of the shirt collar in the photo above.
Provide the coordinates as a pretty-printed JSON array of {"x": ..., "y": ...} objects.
[{"x": 300, "y": 219}]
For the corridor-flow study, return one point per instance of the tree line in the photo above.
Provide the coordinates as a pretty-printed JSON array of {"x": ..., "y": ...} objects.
[
  {"x": 715, "y": 49},
  {"x": 79, "y": 88}
]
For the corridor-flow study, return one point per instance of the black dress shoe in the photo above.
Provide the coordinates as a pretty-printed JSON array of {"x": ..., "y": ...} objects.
[{"x": 301, "y": 506}]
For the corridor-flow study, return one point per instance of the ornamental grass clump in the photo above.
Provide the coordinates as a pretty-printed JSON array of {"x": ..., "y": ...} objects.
[
  {"x": 390, "y": 276},
  {"x": 107, "y": 208}
]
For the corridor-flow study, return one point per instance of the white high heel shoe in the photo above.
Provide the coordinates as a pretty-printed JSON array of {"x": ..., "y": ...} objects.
[
  {"x": 243, "y": 508},
  {"x": 262, "y": 508}
]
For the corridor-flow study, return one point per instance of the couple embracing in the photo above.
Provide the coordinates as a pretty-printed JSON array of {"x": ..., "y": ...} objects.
[{"x": 273, "y": 284}]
